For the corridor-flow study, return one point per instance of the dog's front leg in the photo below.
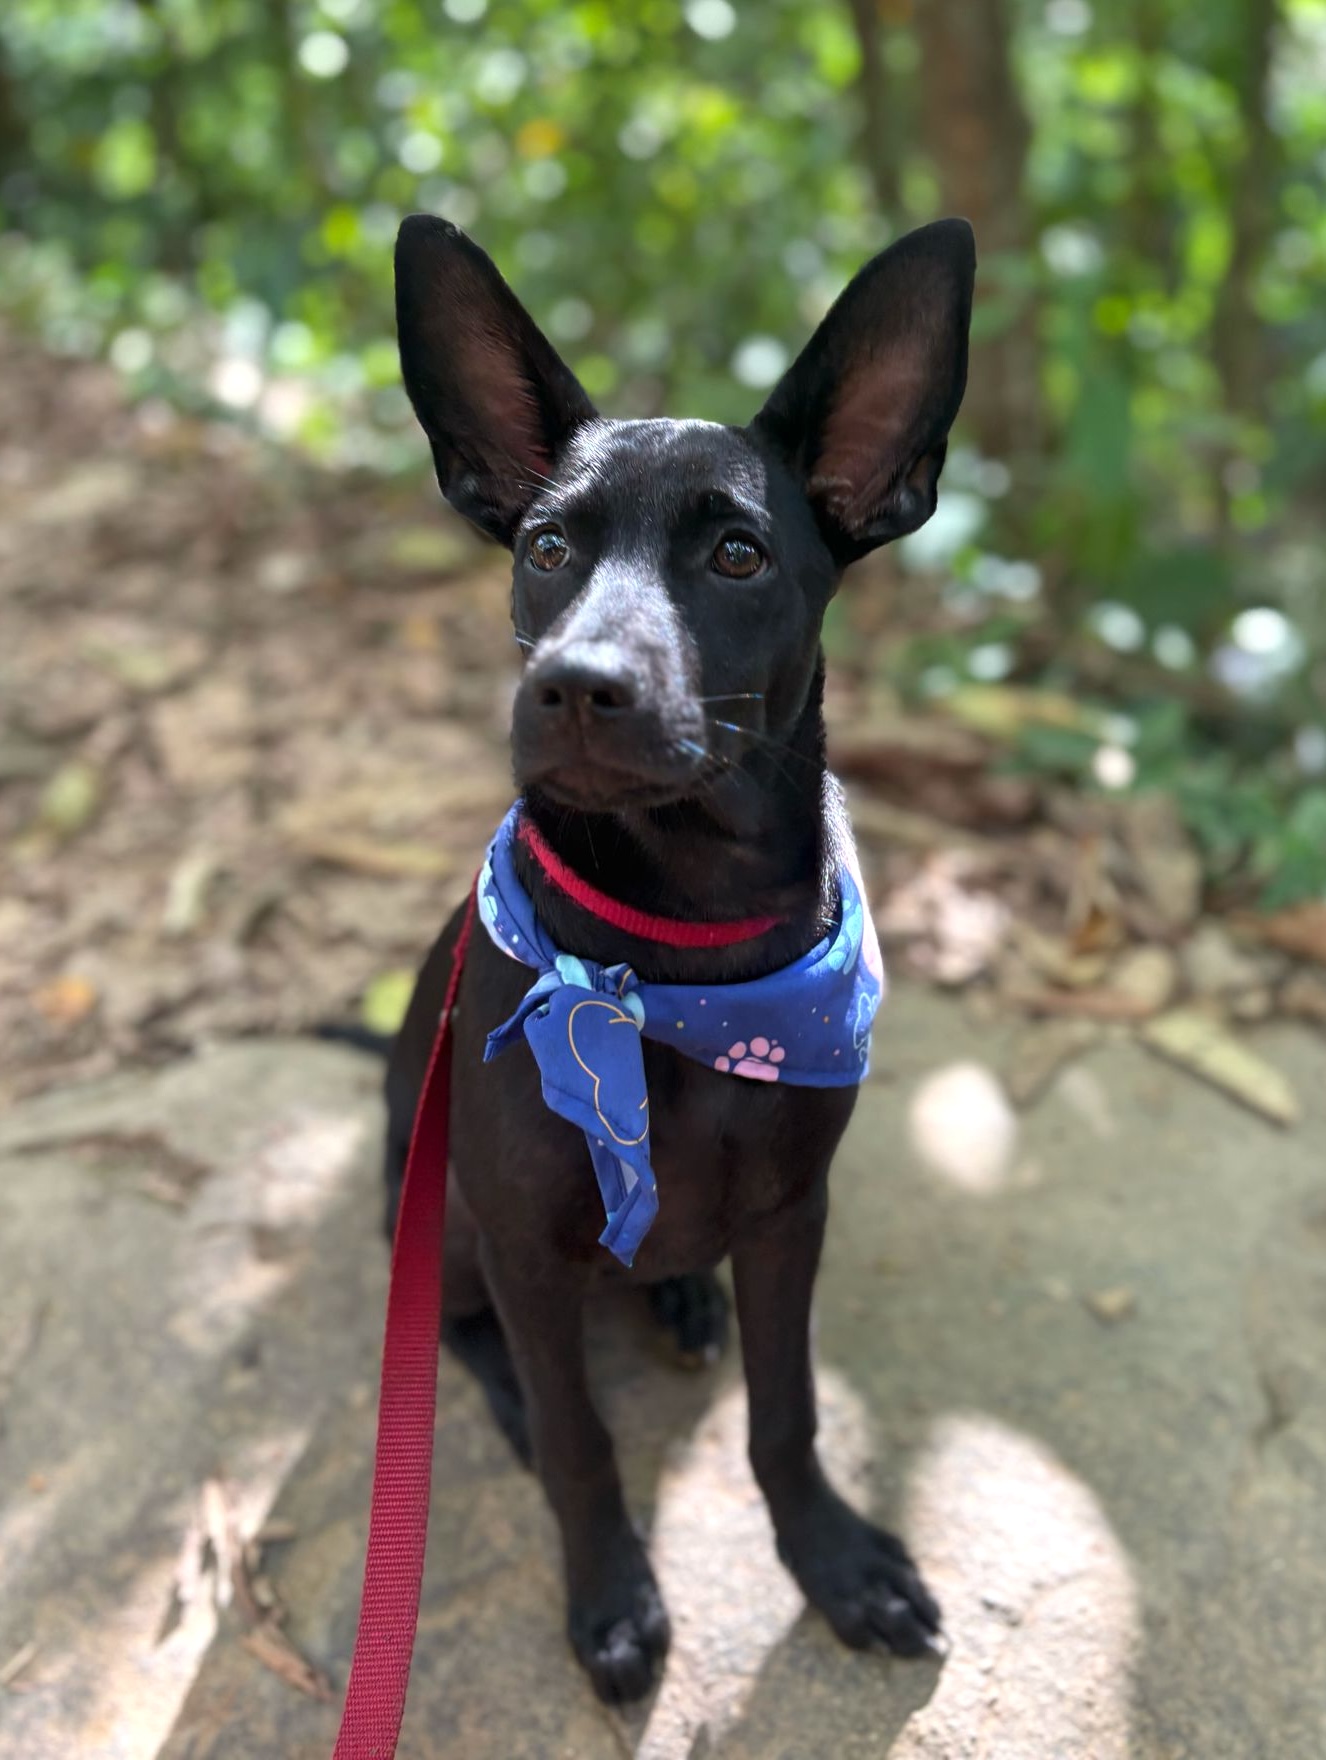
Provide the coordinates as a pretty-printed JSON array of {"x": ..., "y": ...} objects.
[
  {"x": 615, "y": 1617},
  {"x": 859, "y": 1577}
]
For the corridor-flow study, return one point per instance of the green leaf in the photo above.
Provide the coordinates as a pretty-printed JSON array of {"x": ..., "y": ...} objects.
[{"x": 386, "y": 1000}]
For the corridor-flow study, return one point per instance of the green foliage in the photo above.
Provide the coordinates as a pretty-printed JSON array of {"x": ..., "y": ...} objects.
[
  {"x": 259, "y": 155},
  {"x": 208, "y": 191}
]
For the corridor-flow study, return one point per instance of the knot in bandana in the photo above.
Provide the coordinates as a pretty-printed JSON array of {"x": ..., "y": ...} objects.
[{"x": 807, "y": 1024}]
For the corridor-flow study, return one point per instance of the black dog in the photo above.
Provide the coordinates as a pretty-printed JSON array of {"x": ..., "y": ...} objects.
[{"x": 664, "y": 571}]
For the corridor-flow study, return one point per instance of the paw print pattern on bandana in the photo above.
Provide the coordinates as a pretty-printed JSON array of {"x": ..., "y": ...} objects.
[
  {"x": 759, "y": 1060},
  {"x": 842, "y": 956}
]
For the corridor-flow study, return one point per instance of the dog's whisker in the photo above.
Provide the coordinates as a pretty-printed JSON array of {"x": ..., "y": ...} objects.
[
  {"x": 734, "y": 697},
  {"x": 766, "y": 740},
  {"x": 516, "y": 465},
  {"x": 773, "y": 749}
]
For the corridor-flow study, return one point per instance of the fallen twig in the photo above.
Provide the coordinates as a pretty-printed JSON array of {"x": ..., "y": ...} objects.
[{"x": 17, "y": 1663}]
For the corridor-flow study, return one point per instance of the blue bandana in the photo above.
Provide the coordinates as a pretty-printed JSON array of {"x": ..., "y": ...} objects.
[{"x": 808, "y": 1024}]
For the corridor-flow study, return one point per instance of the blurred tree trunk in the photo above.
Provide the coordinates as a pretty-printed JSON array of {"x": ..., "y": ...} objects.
[
  {"x": 13, "y": 124},
  {"x": 879, "y": 144},
  {"x": 1239, "y": 342},
  {"x": 301, "y": 145},
  {"x": 182, "y": 180},
  {"x": 977, "y": 134},
  {"x": 1147, "y": 228}
]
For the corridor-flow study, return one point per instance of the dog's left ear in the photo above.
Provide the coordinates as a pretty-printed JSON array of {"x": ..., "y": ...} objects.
[{"x": 863, "y": 413}]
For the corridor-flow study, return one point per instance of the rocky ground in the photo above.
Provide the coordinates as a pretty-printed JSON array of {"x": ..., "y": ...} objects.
[
  {"x": 1071, "y": 1320},
  {"x": 1090, "y": 1392}
]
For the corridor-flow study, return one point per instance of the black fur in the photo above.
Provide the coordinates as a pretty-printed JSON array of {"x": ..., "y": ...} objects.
[{"x": 668, "y": 742}]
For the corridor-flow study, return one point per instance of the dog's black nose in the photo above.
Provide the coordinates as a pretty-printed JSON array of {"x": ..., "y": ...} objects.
[{"x": 584, "y": 686}]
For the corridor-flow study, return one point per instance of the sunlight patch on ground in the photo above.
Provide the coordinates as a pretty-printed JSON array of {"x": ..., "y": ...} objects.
[
  {"x": 1039, "y": 1596},
  {"x": 178, "y": 1370},
  {"x": 30, "y": 1516},
  {"x": 111, "y": 1683},
  {"x": 963, "y": 1128},
  {"x": 731, "y": 1601},
  {"x": 238, "y": 1257}
]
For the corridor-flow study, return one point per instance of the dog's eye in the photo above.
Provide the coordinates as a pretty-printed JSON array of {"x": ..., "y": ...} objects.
[
  {"x": 548, "y": 549},
  {"x": 738, "y": 558}
]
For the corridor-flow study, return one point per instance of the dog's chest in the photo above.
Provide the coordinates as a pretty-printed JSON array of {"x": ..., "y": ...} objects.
[{"x": 726, "y": 1149}]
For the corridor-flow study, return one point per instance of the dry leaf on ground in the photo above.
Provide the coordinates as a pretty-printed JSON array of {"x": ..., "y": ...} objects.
[
  {"x": 65, "y": 1001},
  {"x": 1162, "y": 857},
  {"x": 880, "y": 748},
  {"x": 1199, "y": 1044},
  {"x": 16, "y": 1664},
  {"x": 1252, "y": 1006},
  {"x": 1054, "y": 958},
  {"x": 386, "y": 1000},
  {"x": 1039, "y": 1053},
  {"x": 214, "y": 1555},
  {"x": 1303, "y": 995},
  {"x": 1110, "y": 1306},
  {"x": 1146, "y": 976},
  {"x": 949, "y": 934},
  {"x": 1300, "y": 930},
  {"x": 1215, "y": 965},
  {"x": 388, "y": 861},
  {"x": 876, "y": 821},
  {"x": 269, "y": 1644},
  {"x": 1138, "y": 985}
]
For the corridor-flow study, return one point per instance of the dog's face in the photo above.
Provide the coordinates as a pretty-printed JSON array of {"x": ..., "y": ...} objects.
[
  {"x": 672, "y": 583},
  {"x": 671, "y": 577}
]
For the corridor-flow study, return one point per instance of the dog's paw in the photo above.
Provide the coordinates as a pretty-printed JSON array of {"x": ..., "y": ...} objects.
[
  {"x": 692, "y": 1312},
  {"x": 862, "y": 1580},
  {"x": 620, "y": 1633}
]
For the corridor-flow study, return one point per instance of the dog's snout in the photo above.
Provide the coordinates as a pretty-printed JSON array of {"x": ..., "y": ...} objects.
[
  {"x": 585, "y": 687},
  {"x": 605, "y": 718}
]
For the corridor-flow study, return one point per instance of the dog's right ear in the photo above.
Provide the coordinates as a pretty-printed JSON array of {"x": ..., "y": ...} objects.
[
  {"x": 494, "y": 398},
  {"x": 863, "y": 413}
]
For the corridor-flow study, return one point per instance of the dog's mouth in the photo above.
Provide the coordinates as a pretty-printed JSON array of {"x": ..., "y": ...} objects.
[
  {"x": 598, "y": 781},
  {"x": 586, "y": 797},
  {"x": 591, "y": 787}
]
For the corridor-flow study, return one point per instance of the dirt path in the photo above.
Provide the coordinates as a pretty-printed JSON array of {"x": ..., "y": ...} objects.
[{"x": 251, "y": 720}]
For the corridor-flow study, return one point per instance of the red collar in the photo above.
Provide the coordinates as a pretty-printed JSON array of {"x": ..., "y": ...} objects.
[{"x": 671, "y": 931}]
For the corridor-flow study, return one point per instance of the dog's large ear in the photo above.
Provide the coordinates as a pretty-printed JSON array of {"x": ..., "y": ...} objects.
[
  {"x": 863, "y": 413},
  {"x": 492, "y": 394}
]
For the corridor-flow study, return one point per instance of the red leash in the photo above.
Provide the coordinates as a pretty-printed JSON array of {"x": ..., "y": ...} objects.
[{"x": 403, "y": 1469}]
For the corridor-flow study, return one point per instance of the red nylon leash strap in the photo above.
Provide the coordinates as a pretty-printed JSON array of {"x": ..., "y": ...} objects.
[{"x": 403, "y": 1469}]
